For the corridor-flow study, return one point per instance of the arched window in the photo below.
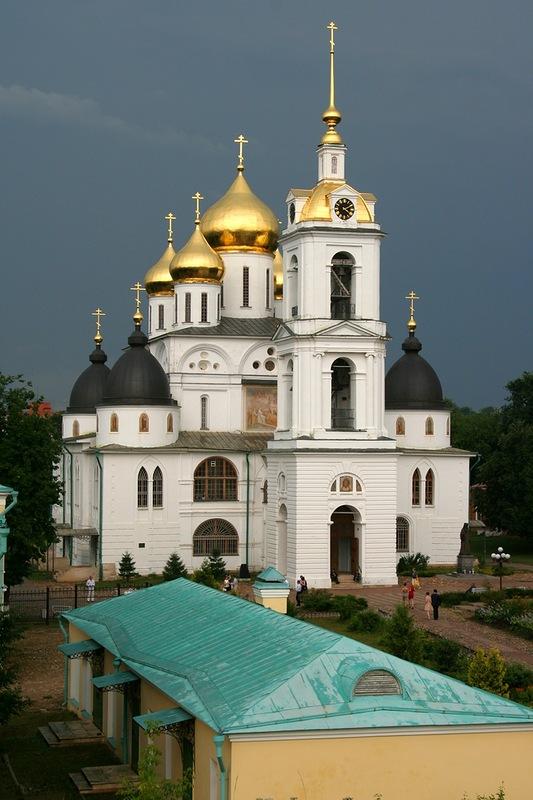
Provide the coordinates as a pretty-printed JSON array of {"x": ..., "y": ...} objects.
[
  {"x": 282, "y": 483},
  {"x": 415, "y": 489},
  {"x": 170, "y": 423},
  {"x": 160, "y": 317},
  {"x": 113, "y": 423},
  {"x": 342, "y": 402},
  {"x": 144, "y": 424},
  {"x": 333, "y": 165},
  {"x": 204, "y": 408},
  {"x": 215, "y": 535},
  {"x": 341, "y": 305},
  {"x": 430, "y": 487},
  {"x": 157, "y": 488},
  {"x": 264, "y": 489},
  {"x": 402, "y": 535},
  {"x": 142, "y": 488},
  {"x": 215, "y": 479},
  {"x": 447, "y": 426},
  {"x": 429, "y": 426},
  {"x": 75, "y": 428},
  {"x": 376, "y": 682},
  {"x": 246, "y": 287},
  {"x": 400, "y": 426}
]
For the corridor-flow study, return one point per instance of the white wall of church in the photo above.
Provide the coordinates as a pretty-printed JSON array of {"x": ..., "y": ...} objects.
[
  {"x": 78, "y": 425},
  {"x": 137, "y": 426},
  {"x": 418, "y": 426},
  {"x": 248, "y": 293}
]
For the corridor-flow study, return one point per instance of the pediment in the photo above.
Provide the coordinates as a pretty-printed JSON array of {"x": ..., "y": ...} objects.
[
  {"x": 283, "y": 332},
  {"x": 347, "y": 328}
]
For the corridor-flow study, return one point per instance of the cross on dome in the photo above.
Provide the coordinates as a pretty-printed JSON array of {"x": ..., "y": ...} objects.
[
  {"x": 138, "y": 316},
  {"x": 241, "y": 141},
  {"x": 412, "y": 296},
  {"x": 170, "y": 217},
  {"x": 332, "y": 115},
  {"x": 98, "y": 338},
  {"x": 198, "y": 198}
]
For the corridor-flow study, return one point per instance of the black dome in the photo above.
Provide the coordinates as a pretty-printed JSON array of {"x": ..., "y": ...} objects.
[
  {"x": 411, "y": 382},
  {"x": 89, "y": 388},
  {"x": 137, "y": 378}
]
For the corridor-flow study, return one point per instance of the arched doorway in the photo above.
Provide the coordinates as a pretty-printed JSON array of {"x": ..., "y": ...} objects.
[{"x": 344, "y": 541}]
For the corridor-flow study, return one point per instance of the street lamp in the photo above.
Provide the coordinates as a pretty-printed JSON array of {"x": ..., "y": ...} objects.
[
  {"x": 500, "y": 558},
  {"x": 5, "y": 493}
]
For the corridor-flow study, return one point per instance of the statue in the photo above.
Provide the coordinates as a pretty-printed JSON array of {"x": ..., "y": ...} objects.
[{"x": 465, "y": 559}]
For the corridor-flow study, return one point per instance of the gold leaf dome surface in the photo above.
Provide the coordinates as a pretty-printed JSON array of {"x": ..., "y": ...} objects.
[
  {"x": 241, "y": 221},
  {"x": 197, "y": 262},
  {"x": 317, "y": 206},
  {"x": 278, "y": 275},
  {"x": 158, "y": 280}
]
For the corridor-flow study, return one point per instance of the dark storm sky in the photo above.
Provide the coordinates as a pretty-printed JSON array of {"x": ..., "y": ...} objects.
[{"x": 112, "y": 112}]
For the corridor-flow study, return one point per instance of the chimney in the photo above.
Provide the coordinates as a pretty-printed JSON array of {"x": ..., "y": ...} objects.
[{"x": 271, "y": 590}]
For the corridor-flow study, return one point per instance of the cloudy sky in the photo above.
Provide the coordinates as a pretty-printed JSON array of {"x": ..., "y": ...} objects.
[{"x": 112, "y": 112}]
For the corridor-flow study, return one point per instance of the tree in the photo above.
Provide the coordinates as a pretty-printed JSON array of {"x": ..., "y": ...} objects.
[
  {"x": 174, "y": 568},
  {"x": 486, "y": 670},
  {"x": 477, "y": 431},
  {"x": 11, "y": 700},
  {"x": 150, "y": 786},
  {"x": 204, "y": 575},
  {"x": 401, "y": 637},
  {"x": 217, "y": 565},
  {"x": 126, "y": 567},
  {"x": 30, "y": 449}
]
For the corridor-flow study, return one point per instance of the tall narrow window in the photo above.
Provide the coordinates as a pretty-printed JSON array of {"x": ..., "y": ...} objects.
[
  {"x": 187, "y": 307},
  {"x": 150, "y": 320},
  {"x": 218, "y": 308},
  {"x": 175, "y": 309},
  {"x": 113, "y": 423},
  {"x": 203, "y": 309},
  {"x": 157, "y": 488},
  {"x": 170, "y": 423},
  {"x": 267, "y": 289},
  {"x": 142, "y": 488},
  {"x": 222, "y": 295},
  {"x": 415, "y": 488},
  {"x": 333, "y": 165},
  {"x": 203, "y": 412},
  {"x": 246, "y": 287},
  {"x": 144, "y": 424},
  {"x": 400, "y": 426},
  {"x": 402, "y": 535},
  {"x": 430, "y": 485},
  {"x": 447, "y": 426},
  {"x": 429, "y": 426},
  {"x": 160, "y": 317},
  {"x": 75, "y": 428}
]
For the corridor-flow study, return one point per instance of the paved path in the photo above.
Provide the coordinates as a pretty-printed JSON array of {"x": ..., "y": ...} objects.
[{"x": 453, "y": 623}]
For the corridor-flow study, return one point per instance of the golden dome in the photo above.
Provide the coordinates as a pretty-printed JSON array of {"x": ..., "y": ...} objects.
[
  {"x": 158, "y": 280},
  {"x": 317, "y": 206},
  {"x": 197, "y": 262},
  {"x": 241, "y": 221},
  {"x": 278, "y": 276}
]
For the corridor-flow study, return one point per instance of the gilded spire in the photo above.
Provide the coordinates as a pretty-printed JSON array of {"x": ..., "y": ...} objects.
[
  {"x": 138, "y": 316},
  {"x": 197, "y": 198},
  {"x": 332, "y": 115},
  {"x": 241, "y": 141},
  {"x": 98, "y": 338},
  {"x": 170, "y": 217},
  {"x": 411, "y": 325}
]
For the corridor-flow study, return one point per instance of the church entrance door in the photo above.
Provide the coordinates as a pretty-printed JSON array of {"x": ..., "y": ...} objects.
[{"x": 344, "y": 546}]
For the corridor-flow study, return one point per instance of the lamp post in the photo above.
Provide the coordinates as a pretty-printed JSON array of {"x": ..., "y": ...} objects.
[
  {"x": 5, "y": 492},
  {"x": 500, "y": 558}
]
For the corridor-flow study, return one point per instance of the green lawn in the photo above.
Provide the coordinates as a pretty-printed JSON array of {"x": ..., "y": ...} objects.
[
  {"x": 520, "y": 548},
  {"x": 43, "y": 770}
]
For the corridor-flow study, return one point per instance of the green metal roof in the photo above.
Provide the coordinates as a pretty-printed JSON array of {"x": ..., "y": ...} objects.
[
  {"x": 78, "y": 648},
  {"x": 271, "y": 575},
  {"x": 241, "y": 667},
  {"x": 162, "y": 719},
  {"x": 114, "y": 679}
]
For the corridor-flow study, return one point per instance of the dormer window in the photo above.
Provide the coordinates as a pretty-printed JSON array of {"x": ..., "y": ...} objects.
[{"x": 377, "y": 682}]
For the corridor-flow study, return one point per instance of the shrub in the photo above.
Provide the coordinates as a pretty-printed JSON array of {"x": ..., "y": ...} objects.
[
  {"x": 401, "y": 637},
  {"x": 486, "y": 670},
  {"x": 174, "y": 568},
  {"x": 447, "y": 656},
  {"x": 347, "y": 605},
  {"x": 449, "y": 599},
  {"x": 317, "y": 600},
  {"x": 204, "y": 575},
  {"x": 518, "y": 676},
  {"x": 407, "y": 564},
  {"x": 217, "y": 565},
  {"x": 366, "y": 620}
]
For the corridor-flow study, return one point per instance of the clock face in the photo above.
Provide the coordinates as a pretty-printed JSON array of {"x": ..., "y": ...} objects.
[
  {"x": 344, "y": 208},
  {"x": 292, "y": 212}
]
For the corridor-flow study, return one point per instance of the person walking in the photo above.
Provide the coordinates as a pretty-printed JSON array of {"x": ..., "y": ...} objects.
[
  {"x": 405, "y": 592},
  {"x": 303, "y": 583},
  {"x": 298, "y": 592},
  {"x": 427, "y": 604},
  {"x": 411, "y": 596},
  {"x": 435, "y": 602},
  {"x": 90, "y": 583}
]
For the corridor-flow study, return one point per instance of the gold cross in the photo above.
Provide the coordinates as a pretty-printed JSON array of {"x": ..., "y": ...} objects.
[
  {"x": 137, "y": 288},
  {"x": 331, "y": 27},
  {"x": 198, "y": 197},
  {"x": 170, "y": 216},
  {"x": 412, "y": 297},
  {"x": 241, "y": 141},
  {"x": 98, "y": 313}
]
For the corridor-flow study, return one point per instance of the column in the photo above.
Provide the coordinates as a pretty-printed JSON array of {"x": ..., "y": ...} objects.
[
  {"x": 317, "y": 398},
  {"x": 357, "y": 284},
  {"x": 371, "y": 411},
  {"x": 360, "y": 419}
]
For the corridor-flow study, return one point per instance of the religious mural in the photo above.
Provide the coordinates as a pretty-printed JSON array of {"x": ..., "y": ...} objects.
[{"x": 260, "y": 408}]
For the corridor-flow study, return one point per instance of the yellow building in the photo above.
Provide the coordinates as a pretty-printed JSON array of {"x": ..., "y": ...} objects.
[{"x": 262, "y": 705}]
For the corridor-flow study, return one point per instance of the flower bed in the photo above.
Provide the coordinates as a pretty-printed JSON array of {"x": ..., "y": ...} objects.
[{"x": 513, "y": 615}]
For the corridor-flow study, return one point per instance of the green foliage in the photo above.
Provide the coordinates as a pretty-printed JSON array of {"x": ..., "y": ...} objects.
[
  {"x": 217, "y": 565},
  {"x": 11, "y": 699},
  {"x": 30, "y": 448},
  {"x": 518, "y": 676},
  {"x": 450, "y": 599},
  {"x": 204, "y": 575},
  {"x": 347, "y": 605},
  {"x": 477, "y": 431},
  {"x": 486, "y": 670},
  {"x": 500, "y": 795},
  {"x": 514, "y": 614},
  {"x": 444, "y": 655},
  {"x": 174, "y": 568},
  {"x": 126, "y": 567},
  {"x": 150, "y": 786},
  {"x": 408, "y": 563},
  {"x": 401, "y": 636},
  {"x": 366, "y": 621},
  {"x": 317, "y": 600}
]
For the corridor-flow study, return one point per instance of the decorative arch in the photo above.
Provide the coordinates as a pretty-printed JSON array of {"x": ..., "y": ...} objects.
[
  {"x": 429, "y": 488},
  {"x": 215, "y": 535},
  {"x": 75, "y": 428},
  {"x": 400, "y": 426},
  {"x": 402, "y": 535},
  {"x": 215, "y": 479},
  {"x": 346, "y": 483},
  {"x": 430, "y": 426},
  {"x": 142, "y": 488},
  {"x": 415, "y": 488},
  {"x": 113, "y": 423},
  {"x": 144, "y": 423},
  {"x": 157, "y": 488},
  {"x": 170, "y": 423},
  {"x": 193, "y": 354}
]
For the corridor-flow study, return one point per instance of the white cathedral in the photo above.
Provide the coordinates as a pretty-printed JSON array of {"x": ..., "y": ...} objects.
[{"x": 255, "y": 417}]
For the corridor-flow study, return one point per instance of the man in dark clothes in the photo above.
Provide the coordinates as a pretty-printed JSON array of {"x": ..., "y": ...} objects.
[{"x": 435, "y": 602}]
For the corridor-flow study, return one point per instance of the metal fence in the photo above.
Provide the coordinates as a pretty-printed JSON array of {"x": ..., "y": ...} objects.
[{"x": 46, "y": 604}]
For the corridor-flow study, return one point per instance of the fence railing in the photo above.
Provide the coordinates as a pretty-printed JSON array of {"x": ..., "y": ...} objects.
[{"x": 46, "y": 604}]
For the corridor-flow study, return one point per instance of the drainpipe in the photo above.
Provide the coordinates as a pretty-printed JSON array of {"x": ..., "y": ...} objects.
[
  {"x": 219, "y": 741},
  {"x": 71, "y": 486},
  {"x": 65, "y": 668},
  {"x": 100, "y": 516},
  {"x": 244, "y": 572}
]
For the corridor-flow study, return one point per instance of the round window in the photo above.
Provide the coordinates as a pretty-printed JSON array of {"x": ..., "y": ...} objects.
[
  {"x": 271, "y": 351},
  {"x": 203, "y": 364},
  {"x": 256, "y": 365},
  {"x": 192, "y": 365},
  {"x": 270, "y": 365}
]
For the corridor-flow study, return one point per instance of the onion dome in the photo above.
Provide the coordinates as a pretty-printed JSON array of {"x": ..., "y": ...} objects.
[
  {"x": 240, "y": 220},
  {"x": 412, "y": 383},
  {"x": 158, "y": 281},
  {"x": 89, "y": 388},
  {"x": 197, "y": 262},
  {"x": 137, "y": 377},
  {"x": 278, "y": 276}
]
